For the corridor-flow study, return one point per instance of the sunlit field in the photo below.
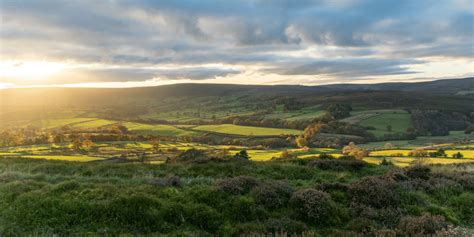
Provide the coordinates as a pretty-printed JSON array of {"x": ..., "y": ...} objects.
[{"x": 246, "y": 130}]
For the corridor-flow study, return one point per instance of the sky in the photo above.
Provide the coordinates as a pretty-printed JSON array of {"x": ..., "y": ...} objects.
[{"x": 127, "y": 43}]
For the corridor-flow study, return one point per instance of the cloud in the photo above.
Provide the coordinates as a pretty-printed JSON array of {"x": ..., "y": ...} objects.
[
  {"x": 348, "y": 68},
  {"x": 341, "y": 38}
]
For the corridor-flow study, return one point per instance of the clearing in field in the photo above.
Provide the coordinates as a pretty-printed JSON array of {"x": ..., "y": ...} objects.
[{"x": 246, "y": 130}]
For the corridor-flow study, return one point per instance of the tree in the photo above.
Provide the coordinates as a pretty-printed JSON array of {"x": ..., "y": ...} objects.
[
  {"x": 458, "y": 155},
  {"x": 469, "y": 129},
  {"x": 389, "y": 128},
  {"x": 301, "y": 141},
  {"x": 418, "y": 153},
  {"x": 339, "y": 111},
  {"x": 242, "y": 154},
  {"x": 155, "y": 143},
  {"x": 87, "y": 143},
  {"x": 353, "y": 150},
  {"x": 142, "y": 157}
]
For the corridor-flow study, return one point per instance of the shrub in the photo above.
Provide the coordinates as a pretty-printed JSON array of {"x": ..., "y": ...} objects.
[
  {"x": 285, "y": 225},
  {"x": 466, "y": 181},
  {"x": 190, "y": 155},
  {"x": 332, "y": 186},
  {"x": 272, "y": 195},
  {"x": 395, "y": 175},
  {"x": 314, "y": 205},
  {"x": 204, "y": 217},
  {"x": 386, "y": 217},
  {"x": 325, "y": 156},
  {"x": 375, "y": 192},
  {"x": 339, "y": 164},
  {"x": 386, "y": 162},
  {"x": 421, "y": 225},
  {"x": 171, "y": 181},
  {"x": 237, "y": 185},
  {"x": 464, "y": 206},
  {"x": 242, "y": 155},
  {"x": 418, "y": 153},
  {"x": 418, "y": 172},
  {"x": 353, "y": 150}
]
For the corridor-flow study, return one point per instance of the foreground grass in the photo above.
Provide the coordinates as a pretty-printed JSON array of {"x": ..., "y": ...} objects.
[{"x": 39, "y": 197}]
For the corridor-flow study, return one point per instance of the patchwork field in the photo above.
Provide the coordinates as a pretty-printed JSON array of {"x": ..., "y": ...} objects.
[
  {"x": 407, "y": 161},
  {"x": 246, "y": 130},
  {"x": 449, "y": 153},
  {"x": 398, "y": 123},
  {"x": 157, "y": 130},
  {"x": 306, "y": 113}
]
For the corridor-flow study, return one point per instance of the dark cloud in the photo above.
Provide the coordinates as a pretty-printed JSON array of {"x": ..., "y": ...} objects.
[{"x": 348, "y": 68}]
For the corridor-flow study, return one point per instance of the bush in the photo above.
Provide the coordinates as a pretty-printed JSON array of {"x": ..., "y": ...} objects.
[
  {"x": 386, "y": 162},
  {"x": 421, "y": 225},
  {"x": 339, "y": 164},
  {"x": 326, "y": 156},
  {"x": 190, "y": 155},
  {"x": 418, "y": 172},
  {"x": 375, "y": 192},
  {"x": 314, "y": 205},
  {"x": 170, "y": 181},
  {"x": 237, "y": 185},
  {"x": 386, "y": 217},
  {"x": 466, "y": 181},
  {"x": 285, "y": 225},
  {"x": 272, "y": 195},
  {"x": 464, "y": 206},
  {"x": 418, "y": 153}
]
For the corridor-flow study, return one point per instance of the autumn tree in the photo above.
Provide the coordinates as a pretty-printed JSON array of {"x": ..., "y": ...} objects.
[{"x": 353, "y": 150}]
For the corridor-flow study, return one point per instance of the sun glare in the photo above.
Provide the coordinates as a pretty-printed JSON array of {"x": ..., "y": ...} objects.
[{"x": 29, "y": 70}]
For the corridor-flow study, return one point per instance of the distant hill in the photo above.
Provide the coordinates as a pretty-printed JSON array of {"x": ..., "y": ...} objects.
[
  {"x": 443, "y": 91},
  {"x": 446, "y": 86}
]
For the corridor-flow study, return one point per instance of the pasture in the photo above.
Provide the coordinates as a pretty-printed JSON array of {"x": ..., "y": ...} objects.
[
  {"x": 407, "y": 161},
  {"x": 158, "y": 130},
  {"x": 397, "y": 122},
  {"x": 246, "y": 130}
]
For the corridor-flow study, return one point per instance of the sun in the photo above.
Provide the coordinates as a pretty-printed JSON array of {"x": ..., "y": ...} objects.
[{"x": 29, "y": 70}]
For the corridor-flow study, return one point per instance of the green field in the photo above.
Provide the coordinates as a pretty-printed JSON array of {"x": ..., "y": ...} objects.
[
  {"x": 55, "y": 123},
  {"x": 157, "y": 130},
  {"x": 423, "y": 141},
  {"x": 407, "y": 161},
  {"x": 63, "y": 158},
  {"x": 94, "y": 123},
  {"x": 306, "y": 113},
  {"x": 399, "y": 123},
  {"x": 246, "y": 130}
]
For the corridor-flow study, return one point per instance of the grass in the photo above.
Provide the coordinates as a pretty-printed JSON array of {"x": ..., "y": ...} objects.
[
  {"x": 94, "y": 123},
  {"x": 157, "y": 130},
  {"x": 407, "y": 161},
  {"x": 453, "y": 137},
  {"x": 307, "y": 113},
  {"x": 64, "y": 158},
  {"x": 399, "y": 123},
  {"x": 55, "y": 123},
  {"x": 359, "y": 116},
  {"x": 449, "y": 153},
  {"x": 246, "y": 130}
]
